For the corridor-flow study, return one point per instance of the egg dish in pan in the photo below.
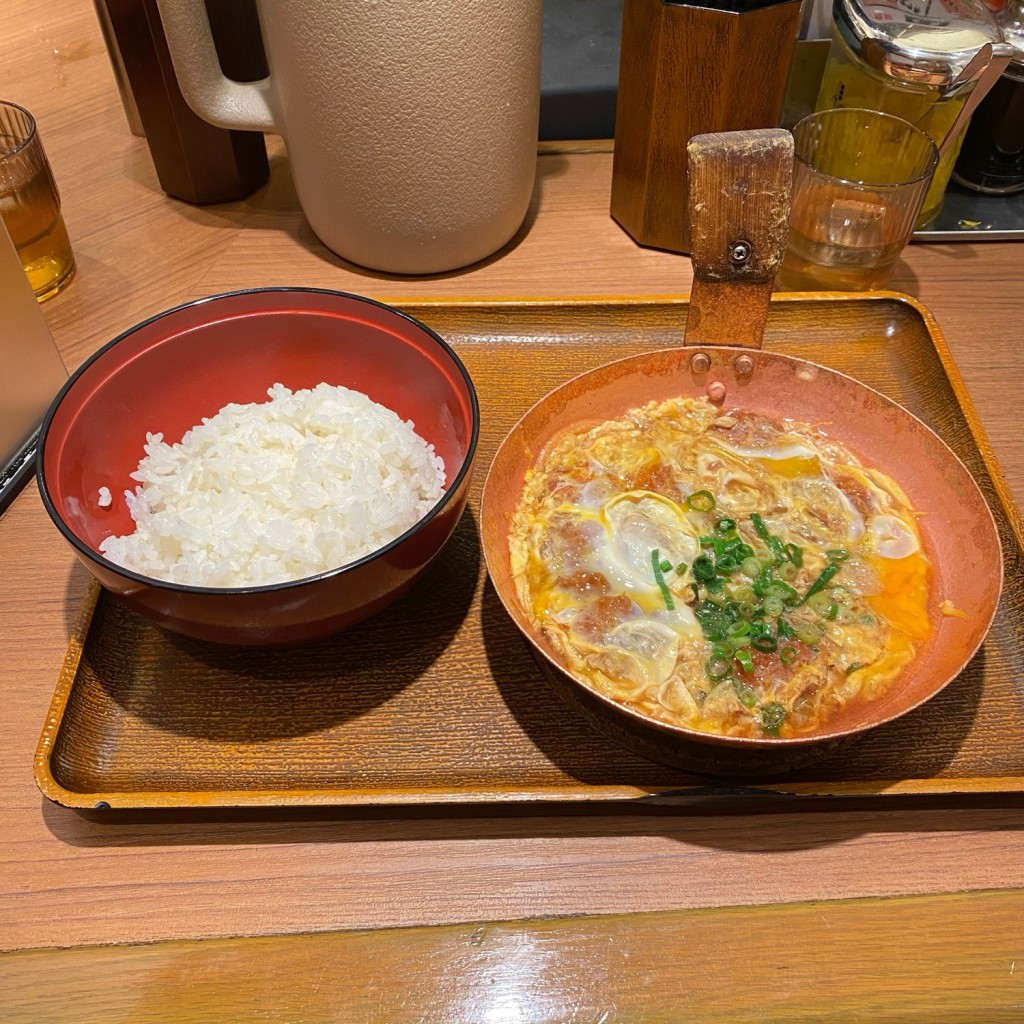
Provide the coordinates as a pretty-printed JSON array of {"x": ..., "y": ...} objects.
[{"x": 727, "y": 572}]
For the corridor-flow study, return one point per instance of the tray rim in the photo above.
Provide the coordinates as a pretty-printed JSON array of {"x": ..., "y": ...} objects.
[{"x": 552, "y": 795}]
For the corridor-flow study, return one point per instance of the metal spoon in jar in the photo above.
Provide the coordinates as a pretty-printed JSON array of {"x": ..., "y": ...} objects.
[{"x": 997, "y": 64}]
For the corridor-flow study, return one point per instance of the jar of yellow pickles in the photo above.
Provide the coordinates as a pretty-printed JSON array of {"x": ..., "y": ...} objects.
[{"x": 908, "y": 58}]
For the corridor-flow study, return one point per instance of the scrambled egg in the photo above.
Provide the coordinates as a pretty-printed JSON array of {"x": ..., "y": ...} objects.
[{"x": 725, "y": 572}]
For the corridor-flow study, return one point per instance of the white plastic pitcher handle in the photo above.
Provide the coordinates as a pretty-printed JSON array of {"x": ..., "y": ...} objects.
[{"x": 219, "y": 100}]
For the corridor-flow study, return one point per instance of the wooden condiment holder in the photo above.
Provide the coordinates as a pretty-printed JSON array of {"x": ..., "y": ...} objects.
[
  {"x": 688, "y": 70},
  {"x": 194, "y": 160}
]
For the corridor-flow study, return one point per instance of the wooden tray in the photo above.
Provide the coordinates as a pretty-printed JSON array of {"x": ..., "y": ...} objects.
[{"x": 439, "y": 700}]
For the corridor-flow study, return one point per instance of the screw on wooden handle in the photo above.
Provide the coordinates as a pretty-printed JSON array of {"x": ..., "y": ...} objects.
[
  {"x": 740, "y": 184},
  {"x": 740, "y": 188}
]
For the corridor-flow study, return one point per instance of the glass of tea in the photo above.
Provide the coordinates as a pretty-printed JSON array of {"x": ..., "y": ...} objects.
[
  {"x": 30, "y": 204},
  {"x": 859, "y": 179}
]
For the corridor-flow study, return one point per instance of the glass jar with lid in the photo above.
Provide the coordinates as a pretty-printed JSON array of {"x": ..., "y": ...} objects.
[
  {"x": 908, "y": 58},
  {"x": 992, "y": 156}
]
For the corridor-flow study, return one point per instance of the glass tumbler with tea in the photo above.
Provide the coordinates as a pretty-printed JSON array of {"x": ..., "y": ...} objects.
[
  {"x": 859, "y": 179},
  {"x": 30, "y": 204}
]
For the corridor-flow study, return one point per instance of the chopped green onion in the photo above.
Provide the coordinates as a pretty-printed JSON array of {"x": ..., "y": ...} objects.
[
  {"x": 746, "y": 695},
  {"x": 712, "y": 621},
  {"x": 750, "y": 567},
  {"x": 831, "y": 612},
  {"x": 666, "y": 594},
  {"x": 723, "y": 649},
  {"x": 773, "y": 606},
  {"x": 727, "y": 564},
  {"x": 807, "y": 633},
  {"x": 837, "y": 554},
  {"x": 725, "y": 526},
  {"x": 747, "y": 609},
  {"x": 701, "y": 501},
  {"x": 778, "y": 549},
  {"x": 782, "y": 553},
  {"x": 787, "y": 655},
  {"x": 703, "y": 569},
  {"x": 822, "y": 581},
  {"x": 740, "y": 641},
  {"x": 717, "y": 668},
  {"x": 772, "y": 717},
  {"x": 681, "y": 568},
  {"x": 784, "y": 629},
  {"x": 783, "y": 591},
  {"x": 665, "y": 565},
  {"x": 738, "y": 628},
  {"x": 761, "y": 584},
  {"x": 788, "y": 572},
  {"x": 707, "y": 541},
  {"x": 765, "y": 642},
  {"x": 762, "y": 530},
  {"x": 744, "y": 551},
  {"x": 746, "y": 662}
]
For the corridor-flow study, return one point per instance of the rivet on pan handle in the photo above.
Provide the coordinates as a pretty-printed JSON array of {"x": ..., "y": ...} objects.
[{"x": 740, "y": 186}]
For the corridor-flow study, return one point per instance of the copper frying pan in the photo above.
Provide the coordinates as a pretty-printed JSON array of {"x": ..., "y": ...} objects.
[{"x": 739, "y": 207}]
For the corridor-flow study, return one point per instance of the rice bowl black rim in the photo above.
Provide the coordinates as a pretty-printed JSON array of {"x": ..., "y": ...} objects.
[{"x": 184, "y": 588}]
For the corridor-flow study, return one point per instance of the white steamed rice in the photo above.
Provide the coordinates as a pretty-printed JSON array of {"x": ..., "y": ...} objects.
[{"x": 275, "y": 491}]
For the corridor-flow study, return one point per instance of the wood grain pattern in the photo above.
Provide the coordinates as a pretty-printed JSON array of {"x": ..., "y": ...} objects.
[
  {"x": 942, "y": 959},
  {"x": 68, "y": 878},
  {"x": 740, "y": 187},
  {"x": 458, "y": 710},
  {"x": 686, "y": 70}
]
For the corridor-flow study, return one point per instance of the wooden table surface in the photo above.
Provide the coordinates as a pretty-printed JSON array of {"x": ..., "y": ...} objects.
[{"x": 685, "y": 886}]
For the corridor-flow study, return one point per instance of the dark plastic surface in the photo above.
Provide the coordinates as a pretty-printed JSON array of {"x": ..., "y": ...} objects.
[{"x": 580, "y": 68}]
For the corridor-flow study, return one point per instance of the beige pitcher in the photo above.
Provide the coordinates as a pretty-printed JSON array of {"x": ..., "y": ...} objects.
[{"x": 411, "y": 125}]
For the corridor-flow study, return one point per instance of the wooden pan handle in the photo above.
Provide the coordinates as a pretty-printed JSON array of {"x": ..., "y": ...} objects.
[{"x": 740, "y": 186}]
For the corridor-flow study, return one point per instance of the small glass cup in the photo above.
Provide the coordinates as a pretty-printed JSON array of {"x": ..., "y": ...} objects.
[
  {"x": 30, "y": 204},
  {"x": 859, "y": 179}
]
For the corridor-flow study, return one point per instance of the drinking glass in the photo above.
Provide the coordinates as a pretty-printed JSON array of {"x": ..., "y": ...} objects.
[
  {"x": 859, "y": 179},
  {"x": 30, "y": 204}
]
